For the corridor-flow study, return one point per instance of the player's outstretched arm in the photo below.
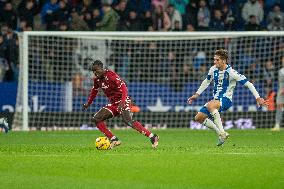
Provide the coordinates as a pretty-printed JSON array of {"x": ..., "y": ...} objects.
[
  {"x": 91, "y": 98},
  {"x": 85, "y": 106},
  {"x": 192, "y": 98},
  {"x": 260, "y": 101},
  {"x": 205, "y": 83}
]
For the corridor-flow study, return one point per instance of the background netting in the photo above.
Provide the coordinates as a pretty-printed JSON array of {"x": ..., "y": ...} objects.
[{"x": 161, "y": 73}]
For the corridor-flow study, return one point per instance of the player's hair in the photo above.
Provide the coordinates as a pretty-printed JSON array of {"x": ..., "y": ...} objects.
[
  {"x": 96, "y": 63},
  {"x": 222, "y": 53}
]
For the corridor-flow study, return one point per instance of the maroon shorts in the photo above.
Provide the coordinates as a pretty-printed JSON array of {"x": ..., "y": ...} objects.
[{"x": 113, "y": 108}]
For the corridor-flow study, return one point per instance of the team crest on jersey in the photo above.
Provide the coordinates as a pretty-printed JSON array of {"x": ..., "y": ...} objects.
[
  {"x": 226, "y": 76},
  {"x": 104, "y": 86}
]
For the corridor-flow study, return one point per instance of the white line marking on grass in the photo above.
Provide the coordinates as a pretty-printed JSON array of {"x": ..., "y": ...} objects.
[
  {"x": 62, "y": 155},
  {"x": 131, "y": 154}
]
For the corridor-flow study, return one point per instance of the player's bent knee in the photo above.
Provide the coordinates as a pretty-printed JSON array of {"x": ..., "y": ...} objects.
[
  {"x": 96, "y": 120},
  {"x": 210, "y": 107},
  {"x": 128, "y": 123},
  {"x": 198, "y": 118}
]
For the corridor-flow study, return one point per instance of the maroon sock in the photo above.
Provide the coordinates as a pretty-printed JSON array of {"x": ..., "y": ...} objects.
[
  {"x": 103, "y": 128},
  {"x": 141, "y": 129}
]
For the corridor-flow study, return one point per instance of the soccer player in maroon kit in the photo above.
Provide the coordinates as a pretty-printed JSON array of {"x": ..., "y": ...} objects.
[{"x": 116, "y": 91}]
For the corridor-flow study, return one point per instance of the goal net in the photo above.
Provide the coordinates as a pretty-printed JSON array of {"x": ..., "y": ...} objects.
[{"x": 161, "y": 71}]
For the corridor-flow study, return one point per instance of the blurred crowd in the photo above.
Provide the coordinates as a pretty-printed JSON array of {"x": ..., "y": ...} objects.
[
  {"x": 142, "y": 15},
  {"x": 129, "y": 15}
]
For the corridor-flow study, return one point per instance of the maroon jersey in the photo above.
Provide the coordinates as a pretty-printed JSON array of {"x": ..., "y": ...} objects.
[{"x": 111, "y": 86}]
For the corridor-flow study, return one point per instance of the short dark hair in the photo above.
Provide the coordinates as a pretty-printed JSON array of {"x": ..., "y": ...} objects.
[
  {"x": 222, "y": 53},
  {"x": 96, "y": 63}
]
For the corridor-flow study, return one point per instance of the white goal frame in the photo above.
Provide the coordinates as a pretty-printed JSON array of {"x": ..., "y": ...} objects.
[{"x": 24, "y": 46}]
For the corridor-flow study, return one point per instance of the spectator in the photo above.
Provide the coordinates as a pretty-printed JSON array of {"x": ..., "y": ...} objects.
[
  {"x": 9, "y": 16},
  {"x": 77, "y": 83},
  {"x": 252, "y": 24},
  {"x": 179, "y": 5},
  {"x": 133, "y": 23},
  {"x": 203, "y": 16},
  {"x": 63, "y": 26},
  {"x": 123, "y": 13},
  {"x": 109, "y": 20},
  {"x": 63, "y": 13},
  {"x": 175, "y": 17},
  {"x": 276, "y": 13},
  {"x": 269, "y": 73},
  {"x": 54, "y": 19},
  {"x": 88, "y": 19},
  {"x": 252, "y": 7},
  {"x": 22, "y": 25},
  {"x": 190, "y": 27},
  {"x": 201, "y": 73},
  {"x": 199, "y": 59},
  {"x": 189, "y": 74},
  {"x": 161, "y": 20},
  {"x": 96, "y": 18},
  {"x": 270, "y": 97},
  {"x": 162, "y": 3},
  {"x": 47, "y": 10},
  {"x": 190, "y": 17},
  {"x": 27, "y": 9},
  {"x": 163, "y": 70},
  {"x": 77, "y": 22},
  {"x": 28, "y": 28},
  {"x": 147, "y": 21},
  {"x": 275, "y": 25},
  {"x": 122, "y": 65},
  {"x": 268, "y": 5},
  {"x": 86, "y": 7},
  {"x": 254, "y": 72},
  {"x": 4, "y": 29},
  {"x": 216, "y": 23},
  {"x": 177, "y": 26},
  {"x": 229, "y": 18},
  {"x": 246, "y": 58}
]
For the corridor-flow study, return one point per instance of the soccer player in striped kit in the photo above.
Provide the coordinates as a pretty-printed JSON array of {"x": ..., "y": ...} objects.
[
  {"x": 120, "y": 103},
  {"x": 225, "y": 79}
]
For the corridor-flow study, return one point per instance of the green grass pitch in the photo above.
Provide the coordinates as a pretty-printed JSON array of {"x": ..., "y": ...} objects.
[{"x": 184, "y": 159}]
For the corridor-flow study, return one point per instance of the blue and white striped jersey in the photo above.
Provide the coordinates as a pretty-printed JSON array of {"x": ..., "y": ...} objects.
[{"x": 225, "y": 81}]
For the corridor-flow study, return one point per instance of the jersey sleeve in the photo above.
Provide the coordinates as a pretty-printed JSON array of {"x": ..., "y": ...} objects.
[
  {"x": 238, "y": 77},
  {"x": 93, "y": 93},
  {"x": 210, "y": 74},
  {"x": 206, "y": 81}
]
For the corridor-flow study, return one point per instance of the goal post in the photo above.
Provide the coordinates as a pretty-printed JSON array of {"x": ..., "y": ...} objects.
[{"x": 161, "y": 70}]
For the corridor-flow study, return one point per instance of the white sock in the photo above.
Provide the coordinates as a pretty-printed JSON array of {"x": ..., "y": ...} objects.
[
  {"x": 217, "y": 120},
  {"x": 208, "y": 123},
  {"x": 277, "y": 126}
]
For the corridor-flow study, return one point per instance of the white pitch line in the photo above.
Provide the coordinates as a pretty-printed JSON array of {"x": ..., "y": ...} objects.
[{"x": 130, "y": 154}]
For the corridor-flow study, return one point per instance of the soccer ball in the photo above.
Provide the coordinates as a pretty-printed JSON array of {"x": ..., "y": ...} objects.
[{"x": 102, "y": 143}]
